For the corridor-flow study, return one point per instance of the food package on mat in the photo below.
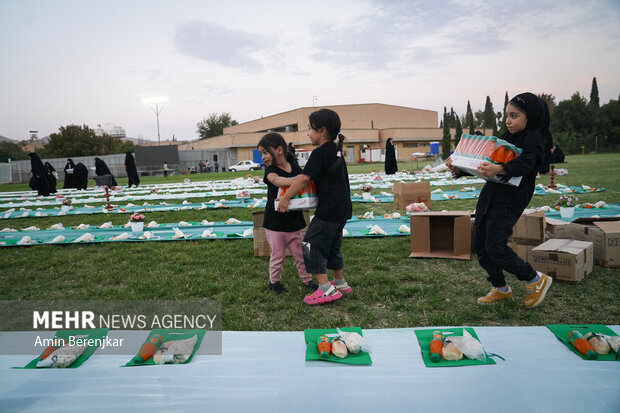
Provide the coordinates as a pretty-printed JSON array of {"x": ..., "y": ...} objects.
[{"x": 175, "y": 351}]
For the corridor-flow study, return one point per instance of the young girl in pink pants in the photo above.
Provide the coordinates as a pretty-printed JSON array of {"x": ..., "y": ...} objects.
[{"x": 282, "y": 228}]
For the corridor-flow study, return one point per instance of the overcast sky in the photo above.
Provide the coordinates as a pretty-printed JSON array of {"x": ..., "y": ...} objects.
[{"x": 92, "y": 62}]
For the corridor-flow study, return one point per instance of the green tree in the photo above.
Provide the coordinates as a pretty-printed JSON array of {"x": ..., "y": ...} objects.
[
  {"x": 12, "y": 151},
  {"x": 214, "y": 125},
  {"x": 457, "y": 132},
  {"x": 469, "y": 119},
  {"x": 479, "y": 116},
  {"x": 574, "y": 120},
  {"x": 74, "y": 140},
  {"x": 550, "y": 99},
  {"x": 446, "y": 140},
  {"x": 488, "y": 119},
  {"x": 594, "y": 100},
  {"x": 502, "y": 124}
]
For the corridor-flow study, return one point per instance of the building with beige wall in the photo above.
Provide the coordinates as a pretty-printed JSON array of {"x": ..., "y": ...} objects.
[{"x": 365, "y": 126}]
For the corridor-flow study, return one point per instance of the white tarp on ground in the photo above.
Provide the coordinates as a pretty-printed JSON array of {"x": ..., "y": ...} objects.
[{"x": 266, "y": 371}]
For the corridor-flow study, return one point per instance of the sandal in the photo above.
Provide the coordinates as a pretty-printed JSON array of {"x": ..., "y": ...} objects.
[
  {"x": 319, "y": 297},
  {"x": 343, "y": 288}
]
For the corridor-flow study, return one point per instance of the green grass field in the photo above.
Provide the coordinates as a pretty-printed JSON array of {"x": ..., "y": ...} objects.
[{"x": 390, "y": 289}]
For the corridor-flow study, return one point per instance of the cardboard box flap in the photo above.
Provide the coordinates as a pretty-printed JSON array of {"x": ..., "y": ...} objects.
[
  {"x": 608, "y": 226},
  {"x": 462, "y": 236},
  {"x": 591, "y": 220},
  {"x": 563, "y": 245},
  {"x": 442, "y": 213}
]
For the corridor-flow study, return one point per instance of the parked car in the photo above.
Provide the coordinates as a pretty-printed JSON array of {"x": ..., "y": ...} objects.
[{"x": 246, "y": 166}]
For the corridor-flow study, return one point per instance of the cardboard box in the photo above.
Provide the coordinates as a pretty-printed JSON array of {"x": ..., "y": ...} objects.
[
  {"x": 530, "y": 229},
  {"x": 406, "y": 193},
  {"x": 523, "y": 250},
  {"x": 556, "y": 228},
  {"x": 604, "y": 233},
  {"x": 564, "y": 259},
  {"x": 606, "y": 239},
  {"x": 261, "y": 246},
  {"x": 441, "y": 234}
]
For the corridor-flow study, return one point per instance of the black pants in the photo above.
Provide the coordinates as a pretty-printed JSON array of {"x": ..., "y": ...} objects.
[{"x": 493, "y": 229}]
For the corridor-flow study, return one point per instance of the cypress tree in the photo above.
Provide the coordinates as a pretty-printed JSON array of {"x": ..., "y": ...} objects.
[
  {"x": 594, "y": 100},
  {"x": 502, "y": 126},
  {"x": 458, "y": 132},
  {"x": 469, "y": 119},
  {"x": 489, "y": 114},
  {"x": 446, "y": 140}
]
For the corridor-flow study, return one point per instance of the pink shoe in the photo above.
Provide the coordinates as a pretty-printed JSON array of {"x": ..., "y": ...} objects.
[
  {"x": 319, "y": 297},
  {"x": 345, "y": 288}
]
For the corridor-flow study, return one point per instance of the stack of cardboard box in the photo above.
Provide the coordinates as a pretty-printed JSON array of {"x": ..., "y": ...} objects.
[
  {"x": 261, "y": 246},
  {"x": 528, "y": 232},
  {"x": 406, "y": 193}
]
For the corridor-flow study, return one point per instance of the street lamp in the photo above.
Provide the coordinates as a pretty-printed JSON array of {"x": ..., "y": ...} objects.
[{"x": 156, "y": 104}]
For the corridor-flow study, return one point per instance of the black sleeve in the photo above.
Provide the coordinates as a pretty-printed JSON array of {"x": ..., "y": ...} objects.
[
  {"x": 531, "y": 158},
  {"x": 267, "y": 172},
  {"x": 314, "y": 165}
]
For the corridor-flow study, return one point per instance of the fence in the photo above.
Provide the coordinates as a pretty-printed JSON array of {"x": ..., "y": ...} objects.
[{"x": 219, "y": 160}]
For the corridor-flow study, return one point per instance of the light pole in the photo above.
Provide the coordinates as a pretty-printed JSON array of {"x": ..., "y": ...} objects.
[{"x": 156, "y": 104}]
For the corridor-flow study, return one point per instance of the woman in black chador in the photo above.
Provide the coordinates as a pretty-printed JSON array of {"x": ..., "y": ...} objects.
[
  {"x": 49, "y": 173},
  {"x": 70, "y": 181},
  {"x": 132, "y": 172},
  {"x": 39, "y": 178},
  {"x": 101, "y": 168},
  {"x": 390, "y": 158},
  {"x": 81, "y": 176}
]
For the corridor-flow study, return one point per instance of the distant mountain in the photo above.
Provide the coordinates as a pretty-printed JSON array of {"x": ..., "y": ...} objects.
[{"x": 5, "y": 139}]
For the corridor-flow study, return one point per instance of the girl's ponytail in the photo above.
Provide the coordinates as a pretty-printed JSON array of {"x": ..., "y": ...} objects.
[
  {"x": 290, "y": 155},
  {"x": 340, "y": 142}
]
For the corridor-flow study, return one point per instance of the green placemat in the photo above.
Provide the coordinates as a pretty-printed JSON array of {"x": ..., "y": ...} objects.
[
  {"x": 561, "y": 332},
  {"x": 97, "y": 333},
  {"x": 312, "y": 353},
  {"x": 424, "y": 339},
  {"x": 169, "y": 335}
]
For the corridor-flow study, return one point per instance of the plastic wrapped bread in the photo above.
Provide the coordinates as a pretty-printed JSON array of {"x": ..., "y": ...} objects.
[
  {"x": 62, "y": 357},
  {"x": 176, "y": 351},
  {"x": 469, "y": 346},
  {"x": 598, "y": 343},
  {"x": 178, "y": 234},
  {"x": 376, "y": 230},
  {"x": 353, "y": 341},
  {"x": 26, "y": 240},
  {"x": 339, "y": 348},
  {"x": 449, "y": 351},
  {"x": 57, "y": 239},
  {"x": 120, "y": 237},
  {"x": 88, "y": 237}
]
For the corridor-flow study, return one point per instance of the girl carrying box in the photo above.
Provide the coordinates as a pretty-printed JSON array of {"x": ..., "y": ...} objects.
[
  {"x": 323, "y": 240},
  {"x": 500, "y": 205},
  {"x": 282, "y": 229}
]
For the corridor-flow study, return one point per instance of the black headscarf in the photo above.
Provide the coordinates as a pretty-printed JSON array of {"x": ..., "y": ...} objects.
[
  {"x": 538, "y": 118},
  {"x": 390, "y": 158},
  {"x": 39, "y": 175},
  {"x": 132, "y": 171},
  {"x": 101, "y": 168},
  {"x": 80, "y": 173},
  {"x": 70, "y": 180},
  {"x": 49, "y": 173}
]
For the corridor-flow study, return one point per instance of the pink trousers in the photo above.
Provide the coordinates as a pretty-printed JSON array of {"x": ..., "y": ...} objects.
[{"x": 279, "y": 242}]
